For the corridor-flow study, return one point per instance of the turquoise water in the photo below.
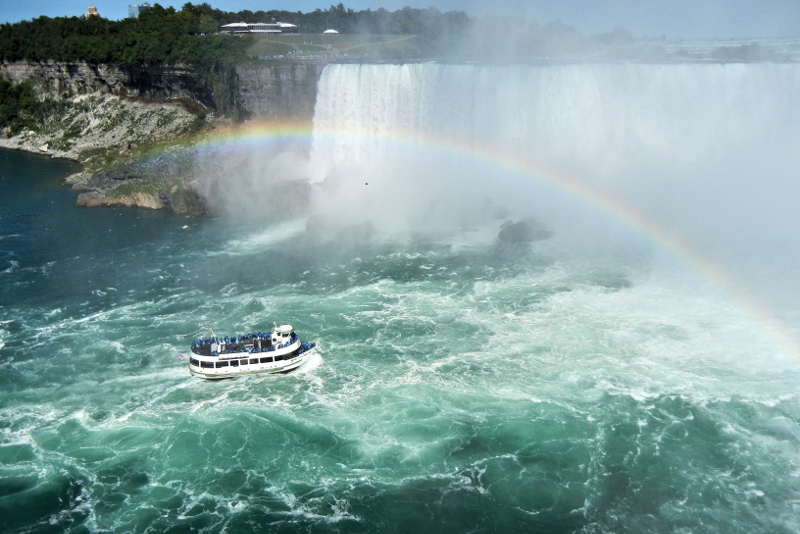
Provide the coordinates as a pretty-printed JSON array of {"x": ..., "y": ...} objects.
[{"x": 458, "y": 388}]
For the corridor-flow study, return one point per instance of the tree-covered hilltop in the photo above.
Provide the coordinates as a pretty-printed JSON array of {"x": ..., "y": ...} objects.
[
  {"x": 165, "y": 36},
  {"x": 159, "y": 36}
]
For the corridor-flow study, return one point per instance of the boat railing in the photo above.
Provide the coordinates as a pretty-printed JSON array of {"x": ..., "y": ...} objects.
[
  {"x": 239, "y": 344},
  {"x": 226, "y": 364},
  {"x": 235, "y": 351}
]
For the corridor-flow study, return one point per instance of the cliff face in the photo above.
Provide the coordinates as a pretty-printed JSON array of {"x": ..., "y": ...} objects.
[
  {"x": 171, "y": 82},
  {"x": 95, "y": 124},
  {"x": 279, "y": 91},
  {"x": 285, "y": 91},
  {"x": 89, "y": 126}
]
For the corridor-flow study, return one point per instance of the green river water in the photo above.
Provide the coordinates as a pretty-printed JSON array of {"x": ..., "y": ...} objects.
[{"x": 470, "y": 388}]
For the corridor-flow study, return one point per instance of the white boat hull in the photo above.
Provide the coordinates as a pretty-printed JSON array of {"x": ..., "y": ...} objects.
[{"x": 231, "y": 365}]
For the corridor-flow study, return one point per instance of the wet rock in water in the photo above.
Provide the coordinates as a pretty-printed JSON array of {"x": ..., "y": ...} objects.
[
  {"x": 136, "y": 199},
  {"x": 185, "y": 201},
  {"x": 524, "y": 232}
]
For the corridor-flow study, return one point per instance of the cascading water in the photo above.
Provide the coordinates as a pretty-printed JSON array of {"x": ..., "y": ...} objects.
[
  {"x": 462, "y": 385},
  {"x": 705, "y": 151},
  {"x": 597, "y": 114}
]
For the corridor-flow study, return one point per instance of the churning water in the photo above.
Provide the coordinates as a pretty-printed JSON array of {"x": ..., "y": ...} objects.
[{"x": 461, "y": 385}]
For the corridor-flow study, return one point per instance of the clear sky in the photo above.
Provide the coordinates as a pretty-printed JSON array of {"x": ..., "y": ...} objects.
[{"x": 673, "y": 18}]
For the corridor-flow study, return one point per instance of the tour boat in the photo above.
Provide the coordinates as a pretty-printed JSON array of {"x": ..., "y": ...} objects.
[{"x": 279, "y": 351}]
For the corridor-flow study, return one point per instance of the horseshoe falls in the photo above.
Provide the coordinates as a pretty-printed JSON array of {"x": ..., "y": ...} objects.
[{"x": 636, "y": 372}]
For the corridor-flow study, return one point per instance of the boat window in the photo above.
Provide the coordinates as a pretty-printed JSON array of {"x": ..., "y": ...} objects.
[
  {"x": 266, "y": 360},
  {"x": 194, "y": 362},
  {"x": 279, "y": 358},
  {"x": 243, "y": 362},
  {"x": 234, "y": 363},
  {"x": 253, "y": 360},
  {"x": 207, "y": 364},
  {"x": 222, "y": 364}
]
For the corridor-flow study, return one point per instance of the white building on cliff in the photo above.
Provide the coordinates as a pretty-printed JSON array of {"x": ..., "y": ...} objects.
[{"x": 258, "y": 27}]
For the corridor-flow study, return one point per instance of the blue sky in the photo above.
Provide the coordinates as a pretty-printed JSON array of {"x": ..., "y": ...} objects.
[{"x": 674, "y": 18}]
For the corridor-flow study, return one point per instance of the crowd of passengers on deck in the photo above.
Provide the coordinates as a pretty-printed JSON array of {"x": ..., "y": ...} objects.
[{"x": 250, "y": 343}]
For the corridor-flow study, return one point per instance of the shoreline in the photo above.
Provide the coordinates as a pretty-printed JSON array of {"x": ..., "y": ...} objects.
[
  {"x": 106, "y": 135},
  {"x": 37, "y": 152},
  {"x": 181, "y": 197}
]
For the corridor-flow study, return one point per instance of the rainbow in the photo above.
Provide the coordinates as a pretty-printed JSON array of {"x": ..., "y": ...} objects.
[{"x": 286, "y": 133}]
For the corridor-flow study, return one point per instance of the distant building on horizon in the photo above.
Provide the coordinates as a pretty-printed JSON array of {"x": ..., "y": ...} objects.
[
  {"x": 92, "y": 12},
  {"x": 136, "y": 9}
]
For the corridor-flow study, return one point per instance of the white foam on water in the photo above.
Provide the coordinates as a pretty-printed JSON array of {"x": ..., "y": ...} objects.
[
  {"x": 313, "y": 363},
  {"x": 13, "y": 266}
]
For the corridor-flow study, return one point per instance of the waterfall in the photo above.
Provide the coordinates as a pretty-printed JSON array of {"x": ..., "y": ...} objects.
[
  {"x": 600, "y": 113},
  {"x": 665, "y": 138}
]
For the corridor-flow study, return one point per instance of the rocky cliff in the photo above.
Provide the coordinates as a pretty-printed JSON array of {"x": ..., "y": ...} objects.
[
  {"x": 80, "y": 78},
  {"x": 110, "y": 117},
  {"x": 98, "y": 127},
  {"x": 285, "y": 91},
  {"x": 265, "y": 91}
]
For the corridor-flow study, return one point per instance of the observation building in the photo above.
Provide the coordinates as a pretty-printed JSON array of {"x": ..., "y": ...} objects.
[{"x": 236, "y": 28}]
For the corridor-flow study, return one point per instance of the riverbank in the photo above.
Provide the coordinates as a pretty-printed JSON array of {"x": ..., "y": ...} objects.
[
  {"x": 113, "y": 138},
  {"x": 134, "y": 131}
]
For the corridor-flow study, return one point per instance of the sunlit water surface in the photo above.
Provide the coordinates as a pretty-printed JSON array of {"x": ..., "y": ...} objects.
[{"x": 469, "y": 388}]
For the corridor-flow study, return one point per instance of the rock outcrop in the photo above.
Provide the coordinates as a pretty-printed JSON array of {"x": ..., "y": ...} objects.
[
  {"x": 165, "y": 181},
  {"x": 524, "y": 232},
  {"x": 183, "y": 200},
  {"x": 137, "y": 199}
]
